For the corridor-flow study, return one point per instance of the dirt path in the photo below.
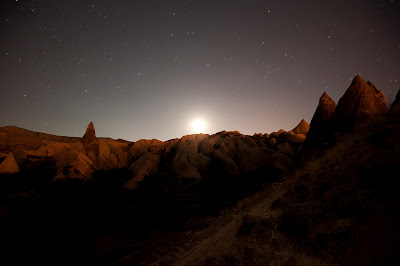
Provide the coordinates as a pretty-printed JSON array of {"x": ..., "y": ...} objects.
[{"x": 246, "y": 234}]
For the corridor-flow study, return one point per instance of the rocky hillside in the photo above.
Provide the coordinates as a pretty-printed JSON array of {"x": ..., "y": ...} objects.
[
  {"x": 341, "y": 207},
  {"x": 188, "y": 157},
  {"x": 322, "y": 193},
  {"x": 362, "y": 103}
]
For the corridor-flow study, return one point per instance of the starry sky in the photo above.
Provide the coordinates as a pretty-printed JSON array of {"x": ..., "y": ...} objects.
[{"x": 148, "y": 69}]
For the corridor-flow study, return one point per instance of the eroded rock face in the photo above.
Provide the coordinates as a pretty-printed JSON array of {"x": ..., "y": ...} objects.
[
  {"x": 89, "y": 142},
  {"x": 395, "y": 107},
  {"x": 143, "y": 146},
  {"x": 145, "y": 165},
  {"x": 80, "y": 167},
  {"x": 73, "y": 160},
  {"x": 323, "y": 115},
  {"x": 10, "y": 165},
  {"x": 272, "y": 142},
  {"x": 69, "y": 161},
  {"x": 229, "y": 165},
  {"x": 320, "y": 127},
  {"x": 361, "y": 102},
  {"x": 276, "y": 134},
  {"x": 286, "y": 149},
  {"x": 295, "y": 138},
  {"x": 189, "y": 157},
  {"x": 111, "y": 155},
  {"x": 188, "y": 161},
  {"x": 301, "y": 128},
  {"x": 15, "y": 138}
]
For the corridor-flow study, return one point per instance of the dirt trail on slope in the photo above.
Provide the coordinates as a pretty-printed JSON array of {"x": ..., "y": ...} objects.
[{"x": 246, "y": 234}]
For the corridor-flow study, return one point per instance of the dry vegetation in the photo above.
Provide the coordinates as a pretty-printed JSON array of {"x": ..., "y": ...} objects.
[
  {"x": 346, "y": 202},
  {"x": 339, "y": 209}
]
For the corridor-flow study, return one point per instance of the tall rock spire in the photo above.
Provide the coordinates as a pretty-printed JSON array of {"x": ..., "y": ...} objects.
[
  {"x": 361, "y": 101},
  {"x": 320, "y": 127},
  {"x": 89, "y": 142},
  {"x": 324, "y": 112}
]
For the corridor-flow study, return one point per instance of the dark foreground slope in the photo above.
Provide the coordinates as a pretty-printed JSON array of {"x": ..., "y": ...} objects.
[
  {"x": 345, "y": 205},
  {"x": 75, "y": 221},
  {"x": 340, "y": 208},
  {"x": 79, "y": 202}
]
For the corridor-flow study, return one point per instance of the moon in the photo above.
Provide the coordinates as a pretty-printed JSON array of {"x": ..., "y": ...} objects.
[{"x": 198, "y": 126}]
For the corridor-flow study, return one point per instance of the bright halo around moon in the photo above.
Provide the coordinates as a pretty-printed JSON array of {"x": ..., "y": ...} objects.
[{"x": 199, "y": 126}]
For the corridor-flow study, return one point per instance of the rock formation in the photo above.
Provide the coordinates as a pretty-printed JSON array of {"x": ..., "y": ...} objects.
[
  {"x": 361, "y": 102},
  {"x": 321, "y": 122},
  {"x": 74, "y": 157},
  {"x": 89, "y": 142},
  {"x": 188, "y": 161},
  {"x": 230, "y": 153},
  {"x": 301, "y": 128},
  {"x": 143, "y": 146},
  {"x": 145, "y": 165},
  {"x": 15, "y": 138},
  {"x": 395, "y": 107},
  {"x": 324, "y": 113},
  {"x": 297, "y": 134},
  {"x": 320, "y": 128}
]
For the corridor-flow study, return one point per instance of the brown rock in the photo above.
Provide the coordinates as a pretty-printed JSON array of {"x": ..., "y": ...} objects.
[
  {"x": 3, "y": 156},
  {"x": 15, "y": 138},
  {"x": 276, "y": 134},
  {"x": 321, "y": 125},
  {"x": 272, "y": 142},
  {"x": 260, "y": 143},
  {"x": 143, "y": 146},
  {"x": 74, "y": 164},
  {"x": 361, "y": 102},
  {"x": 296, "y": 138},
  {"x": 89, "y": 142},
  {"x": 112, "y": 155},
  {"x": 188, "y": 160},
  {"x": 301, "y": 128},
  {"x": 395, "y": 107},
  {"x": 324, "y": 113},
  {"x": 10, "y": 164},
  {"x": 224, "y": 142},
  {"x": 145, "y": 165},
  {"x": 228, "y": 164},
  {"x": 285, "y": 148}
]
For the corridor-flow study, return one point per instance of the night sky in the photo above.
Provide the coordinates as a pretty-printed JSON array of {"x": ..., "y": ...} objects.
[{"x": 149, "y": 69}]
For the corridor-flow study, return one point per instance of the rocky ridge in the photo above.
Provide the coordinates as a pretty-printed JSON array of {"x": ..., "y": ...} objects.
[
  {"x": 361, "y": 103},
  {"x": 193, "y": 155},
  {"x": 188, "y": 157}
]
